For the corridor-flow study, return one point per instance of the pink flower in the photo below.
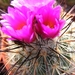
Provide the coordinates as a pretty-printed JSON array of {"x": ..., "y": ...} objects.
[
  {"x": 32, "y": 4},
  {"x": 25, "y": 23},
  {"x": 49, "y": 22},
  {"x": 18, "y": 24}
]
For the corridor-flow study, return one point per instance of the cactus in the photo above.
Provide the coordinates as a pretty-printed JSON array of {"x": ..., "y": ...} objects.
[{"x": 43, "y": 56}]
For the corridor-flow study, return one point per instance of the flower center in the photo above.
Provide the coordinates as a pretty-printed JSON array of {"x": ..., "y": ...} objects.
[
  {"x": 20, "y": 25},
  {"x": 49, "y": 22}
]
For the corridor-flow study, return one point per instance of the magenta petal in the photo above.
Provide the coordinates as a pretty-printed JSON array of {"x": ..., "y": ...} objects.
[
  {"x": 10, "y": 10},
  {"x": 31, "y": 4},
  {"x": 55, "y": 10},
  {"x": 9, "y": 31},
  {"x": 62, "y": 23}
]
